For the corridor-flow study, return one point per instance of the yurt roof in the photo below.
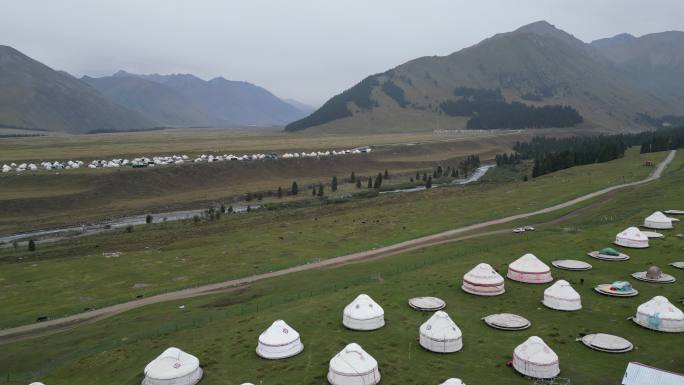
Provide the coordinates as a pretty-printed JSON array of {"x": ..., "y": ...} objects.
[
  {"x": 279, "y": 333},
  {"x": 353, "y": 359},
  {"x": 607, "y": 342},
  {"x": 562, "y": 289},
  {"x": 440, "y": 327},
  {"x": 483, "y": 274},
  {"x": 658, "y": 216},
  {"x": 634, "y": 234},
  {"x": 529, "y": 263},
  {"x": 534, "y": 350},
  {"x": 661, "y": 306},
  {"x": 453, "y": 381},
  {"x": 363, "y": 307},
  {"x": 427, "y": 303},
  {"x": 172, "y": 363}
]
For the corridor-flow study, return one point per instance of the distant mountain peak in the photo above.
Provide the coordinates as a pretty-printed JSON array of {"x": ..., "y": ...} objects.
[{"x": 541, "y": 27}]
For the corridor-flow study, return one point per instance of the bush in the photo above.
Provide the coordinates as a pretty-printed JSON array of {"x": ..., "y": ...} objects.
[
  {"x": 149, "y": 219},
  {"x": 31, "y": 245}
]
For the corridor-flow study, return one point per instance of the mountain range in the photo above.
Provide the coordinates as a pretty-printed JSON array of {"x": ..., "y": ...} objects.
[
  {"x": 535, "y": 71},
  {"x": 34, "y": 96}
]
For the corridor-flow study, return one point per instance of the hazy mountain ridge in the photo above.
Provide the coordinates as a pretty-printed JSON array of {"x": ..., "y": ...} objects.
[
  {"x": 536, "y": 64},
  {"x": 654, "y": 62},
  {"x": 33, "y": 95}
]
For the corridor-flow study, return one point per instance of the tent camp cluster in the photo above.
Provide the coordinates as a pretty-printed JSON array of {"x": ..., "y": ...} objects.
[
  {"x": 165, "y": 160},
  {"x": 440, "y": 334}
]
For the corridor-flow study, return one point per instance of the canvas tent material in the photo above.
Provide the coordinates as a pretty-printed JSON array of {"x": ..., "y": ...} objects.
[
  {"x": 608, "y": 255},
  {"x": 571, "y": 264},
  {"x": 607, "y": 343},
  {"x": 173, "y": 367},
  {"x": 529, "y": 269},
  {"x": 678, "y": 265},
  {"x": 617, "y": 289},
  {"x": 483, "y": 280},
  {"x": 653, "y": 234},
  {"x": 640, "y": 374},
  {"x": 279, "y": 341},
  {"x": 427, "y": 303},
  {"x": 453, "y": 381},
  {"x": 507, "y": 321},
  {"x": 363, "y": 314},
  {"x": 658, "y": 220},
  {"x": 353, "y": 366},
  {"x": 674, "y": 212},
  {"x": 36, "y": 383},
  {"x": 654, "y": 275},
  {"x": 440, "y": 334},
  {"x": 659, "y": 314},
  {"x": 561, "y": 296},
  {"x": 533, "y": 358},
  {"x": 632, "y": 237}
]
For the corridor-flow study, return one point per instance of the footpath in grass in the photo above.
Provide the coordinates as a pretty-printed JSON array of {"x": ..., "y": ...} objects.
[
  {"x": 71, "y": 276},
  {"x": 222, "y": 329}
]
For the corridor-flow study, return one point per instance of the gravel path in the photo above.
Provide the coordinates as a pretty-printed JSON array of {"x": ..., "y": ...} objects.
[{"x": 61, "y": 324}]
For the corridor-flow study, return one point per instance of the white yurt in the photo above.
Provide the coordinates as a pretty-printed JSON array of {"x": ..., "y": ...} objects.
[
  {"x": 353, "y": 366},
  {"x": 483, "y": 280},
  {"x": 173, "y": 367},
  {"x": 659, "y": 314},
  {"x": 363, "y": 314},
  {"x": 453, "y": 381},
  {"x": 36, "y": 383},
  {"x": 561, "y": 296},
  {"x": 533, "y": 358},
  {"x": 279, "y": 341},
  {"x": 658, "y": 220},
  {"x": 632, "y": 237},
  {"x": 529, "y": 269},
  {"x": 440, "y": 334}
]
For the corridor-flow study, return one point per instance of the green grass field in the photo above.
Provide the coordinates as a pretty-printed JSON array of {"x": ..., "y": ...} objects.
[
  {"x": 222, "y": 329},
  {"x": 73, "y": 275}
]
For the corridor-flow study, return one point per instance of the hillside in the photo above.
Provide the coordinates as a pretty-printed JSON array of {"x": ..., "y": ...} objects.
[
  {"x": 35, "y": 96},
  {"x": 157, "y": 101},
  {"x": 218, "y": 101},
  {"x": 536, "y": 65},
  {"x": 654, "y": 62}
]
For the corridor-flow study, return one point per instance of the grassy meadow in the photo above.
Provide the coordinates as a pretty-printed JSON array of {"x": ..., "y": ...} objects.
[
  {"x": 72, "y": 275},
  {"x": 222, "y": 329}
]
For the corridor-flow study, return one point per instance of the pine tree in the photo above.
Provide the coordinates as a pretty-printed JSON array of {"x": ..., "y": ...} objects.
[
  {"x": 294, "y": 189},
  {"x": 280, "y": 192},
  {"x": 31, "y": 245},
  {"x": 148, "y": 219},
  {"x": 454, "y": 173},
  {"x": 313, "y": 191},
  {"x": 428, "y": 184},
  {"x": 230, "y": 209},
  {"x": 386, "y": 176},
  {"x": 417, "y": 175},
  {"x": 370, "y": 182},
  {"x": 352, "y": 178},
  {"x": 333, "y": 184},
  {"x": 223, "y": 208},
  {"x": 424, "y": 177},
  {"x": 378, "y": 181},
  {"x": 320, "y": 190},
  {"x": 358, "y": 183}
]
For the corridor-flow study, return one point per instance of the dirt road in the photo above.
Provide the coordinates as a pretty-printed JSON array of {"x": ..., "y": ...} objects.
[{"x": 466, "y": 232}]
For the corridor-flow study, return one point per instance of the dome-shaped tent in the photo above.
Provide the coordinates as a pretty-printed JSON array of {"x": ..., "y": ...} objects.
[
  {"x": 658, "y": 220},
  {"x": 632, "y": 237},
  {"x": 440, "y": 334},
  {"x": 659, "y": 314},
  {"x": 654, "y": 274},
  {"x": 173, "y": 367},
  {"x": 483, "y": 280},
  {"x": 529, "y": 269},
  {"x": 561, "y": 296},
  {"x": 279, "y": 341},
  {"x": 533, "y": 358},
  {"x": 453, "y": 381},
  {"x": 353, "y": 366},
  {"x": 363, "y": 314}
]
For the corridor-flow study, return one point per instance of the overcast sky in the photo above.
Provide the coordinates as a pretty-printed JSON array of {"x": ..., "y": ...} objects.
[{"x": 303, "y": 49}]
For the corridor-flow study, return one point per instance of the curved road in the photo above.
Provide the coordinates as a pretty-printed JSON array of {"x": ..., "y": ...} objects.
[{"x": 60, "y": 324}]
